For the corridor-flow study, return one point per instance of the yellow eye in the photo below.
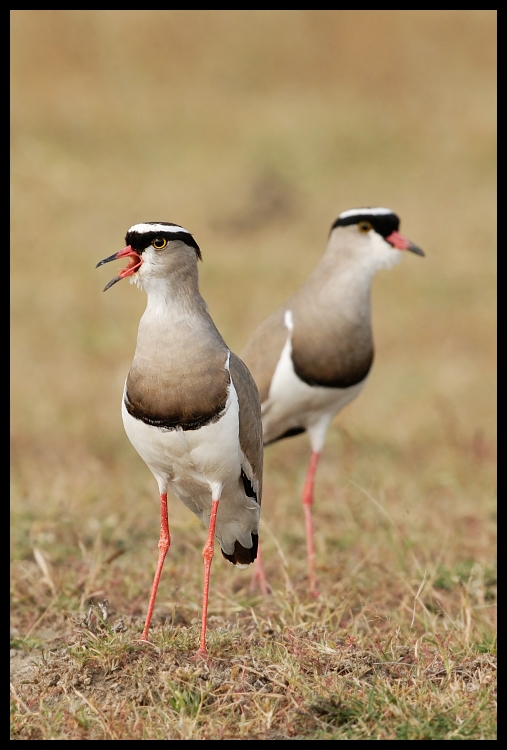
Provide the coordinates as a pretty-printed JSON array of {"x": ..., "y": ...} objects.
[
  {"x": 364, "y": 226},
  {"x": 159, "y": 243}
]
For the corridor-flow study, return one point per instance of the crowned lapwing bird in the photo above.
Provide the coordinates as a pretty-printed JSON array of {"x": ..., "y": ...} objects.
[
  {"x": 190, "y": 407},
  {"x": 313, "y": 355}
]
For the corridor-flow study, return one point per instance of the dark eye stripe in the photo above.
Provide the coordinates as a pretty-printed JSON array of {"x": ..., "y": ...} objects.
[
  {"x": 141, "y": 240},
  {"x": 384, "y": 224}
]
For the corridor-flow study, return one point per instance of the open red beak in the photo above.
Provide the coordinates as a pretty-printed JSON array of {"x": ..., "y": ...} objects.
[
  {"x": 132, "y": 266},
  {"x": 399, "y": 241}
]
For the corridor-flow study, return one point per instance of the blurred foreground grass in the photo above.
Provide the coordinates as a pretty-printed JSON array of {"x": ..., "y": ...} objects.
[{"x": 254, "y": 129}]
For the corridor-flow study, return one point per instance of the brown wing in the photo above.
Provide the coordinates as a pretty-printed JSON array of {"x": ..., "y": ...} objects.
[
  {"x": 263, "y": 350},
  {"x": 250, "y": 438},
  {"x": 250, "y": 423}
]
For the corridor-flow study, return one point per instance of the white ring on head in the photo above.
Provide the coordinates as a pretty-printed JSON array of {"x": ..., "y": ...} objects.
[
  {"x": 378, "y": 211},
  {"x": 143, "y": 228}
]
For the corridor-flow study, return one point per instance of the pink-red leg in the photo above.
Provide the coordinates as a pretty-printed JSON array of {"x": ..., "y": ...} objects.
[
  {"x": 259, "y": 577},
  {"x": 163, "y": 545},
  {"x": 207, "y": 553},
  {"x": 307, "y": 505}
]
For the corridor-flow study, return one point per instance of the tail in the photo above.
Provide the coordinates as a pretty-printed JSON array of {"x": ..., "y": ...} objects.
[{"x": 242, "y": 555}]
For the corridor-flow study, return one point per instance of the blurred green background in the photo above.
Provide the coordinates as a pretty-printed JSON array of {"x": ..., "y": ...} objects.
[{"x": 252, "y": 129}]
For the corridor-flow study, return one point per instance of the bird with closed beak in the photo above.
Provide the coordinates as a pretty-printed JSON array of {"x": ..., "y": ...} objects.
[{"x": 313, "y": 355}]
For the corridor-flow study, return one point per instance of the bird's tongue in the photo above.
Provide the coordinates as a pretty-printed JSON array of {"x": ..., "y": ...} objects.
[
  {"x": 134, "y": 263},
  {"x": 132, "y": 266}
]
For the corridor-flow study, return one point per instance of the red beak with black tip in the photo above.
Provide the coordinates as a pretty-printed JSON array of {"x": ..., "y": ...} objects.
[
  {"x": 399, "y": 241},
  {"x": 133, "y": 265}
]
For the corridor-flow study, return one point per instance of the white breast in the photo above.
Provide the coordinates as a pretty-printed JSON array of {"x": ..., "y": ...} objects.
[
  {"x": 207, "y": 455},
  {"x": 196, "y": 464}
]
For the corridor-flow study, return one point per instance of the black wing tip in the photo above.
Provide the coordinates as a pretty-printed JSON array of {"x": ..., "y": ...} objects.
[
  {"x": 289, "y": 433},
  {"x": 242, "y": 555}
]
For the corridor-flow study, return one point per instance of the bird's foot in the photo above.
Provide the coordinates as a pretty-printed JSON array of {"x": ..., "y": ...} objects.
[
  {"x": 202, "y": 653},
  {"x": 259, "y": 583},
  {"x": 144, "y": 638}
]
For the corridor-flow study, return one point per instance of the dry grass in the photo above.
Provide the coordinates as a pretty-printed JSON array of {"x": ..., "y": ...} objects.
[{"x": 253, "y": 129}]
